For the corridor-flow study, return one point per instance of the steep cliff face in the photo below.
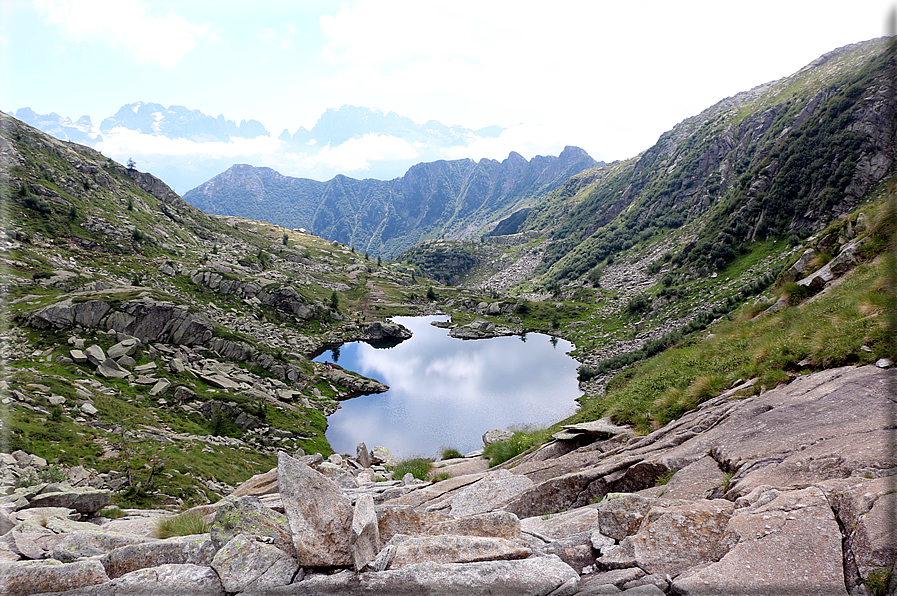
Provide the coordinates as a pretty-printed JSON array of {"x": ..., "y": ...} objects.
[
  {"x": 455, "y": 199},
  {"x": 783, "y": 158}
]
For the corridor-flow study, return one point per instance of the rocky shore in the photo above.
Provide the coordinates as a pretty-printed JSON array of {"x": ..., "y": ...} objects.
[{"x": 787, "y": 492}]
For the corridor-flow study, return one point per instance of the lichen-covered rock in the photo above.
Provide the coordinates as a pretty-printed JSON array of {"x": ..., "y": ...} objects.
[
  {"x": 246, "y": 515},
  {"x": 621, "y": 514},
  {"x": 33, "y": 577},
  {"x": 245, "y": 564},
  {"x": 455, "y": 549},
  {"x": 320, "y": 516},
  {"x": 197, "y": 549}
]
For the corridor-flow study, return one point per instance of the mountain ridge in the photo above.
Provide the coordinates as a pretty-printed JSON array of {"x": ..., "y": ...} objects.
[{"x": 457, "y": 198}]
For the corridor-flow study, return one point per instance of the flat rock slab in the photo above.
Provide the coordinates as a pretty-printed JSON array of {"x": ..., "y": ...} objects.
[
  {"x": 672, "y": 539},
  {"x": 191, "y": 550},
  {"x": 33, "y": 577},
  {"x": 489, "y": 494},
  {"x": 455, "y": 549},
  {"x": 781, "y": 542},
  {"x": 405, "y": 519},
  {"x": 495, "y": 524},
  {"x": 112, "y": 369},
  {"x": 260, "y": 484},
  {"x": 462, "y": 466},
  {"x": 83, "y": 544},
  {"x": 81, "y": 500},
  {"x": 821, "y": 426},
  {"x": 602, "y": 428},
  {"x": 536, "y": 576},
  {"x": 697, "y": 480},
  {"x": 561, "y": 525},
  {"x": 174, "y": 580}
]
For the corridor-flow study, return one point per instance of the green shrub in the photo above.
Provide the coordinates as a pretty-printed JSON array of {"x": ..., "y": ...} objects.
[
  {"x": 450, "y": 453},
  {"x": 418, "y": 466},
  {"x": 639, "y": 303},
  {"x": 184, "y": 524}
]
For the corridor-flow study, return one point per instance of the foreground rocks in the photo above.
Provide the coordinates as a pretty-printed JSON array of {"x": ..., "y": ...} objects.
[{"x": 787, "y": 492}]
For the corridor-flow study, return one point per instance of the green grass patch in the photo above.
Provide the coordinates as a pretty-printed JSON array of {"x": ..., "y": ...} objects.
[
  {"x": 419, "y": 467},
  {"x": 522, "y": 440},
  {"x": 450, "y": 453},
  {"x": 112, "y": 513},
  {"x": 184, "y": 524}
]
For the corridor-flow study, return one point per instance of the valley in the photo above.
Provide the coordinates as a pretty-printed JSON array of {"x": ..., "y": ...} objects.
[{"x": 163, "y": 356}]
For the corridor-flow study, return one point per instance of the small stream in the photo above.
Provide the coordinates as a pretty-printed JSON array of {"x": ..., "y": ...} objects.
[{"x": 446, "y": 392}]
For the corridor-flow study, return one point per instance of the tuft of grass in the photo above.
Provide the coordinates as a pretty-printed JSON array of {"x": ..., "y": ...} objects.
[
  {"x": 522, "y": 440},
  {"x": 879, "y": 581},
  {"x": 450, "y": 453},
  {"x": 666, "y": 477},
  {"x": 418, "y": 466},
  {"x": 441, "y": 476},
  {"x": 184, "y": 524},
  {"x": 112, "y": 513}
]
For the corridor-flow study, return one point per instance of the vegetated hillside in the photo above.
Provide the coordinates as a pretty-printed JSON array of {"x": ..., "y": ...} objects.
[
  {"x": 656, "y": 247},
  {"x": 163, "y": 348},
  {"x": 780, "y": 160},
  {"x": 453, "y": 199}
]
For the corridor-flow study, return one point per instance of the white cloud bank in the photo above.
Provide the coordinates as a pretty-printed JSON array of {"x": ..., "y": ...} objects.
[
  {"x": 124, "y": 25},
  {"x": 124, "y": 141}
]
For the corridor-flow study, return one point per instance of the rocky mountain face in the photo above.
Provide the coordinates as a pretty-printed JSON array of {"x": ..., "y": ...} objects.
[
  {"x": 784, "y": 158},
  {"x": 80, "y": 131},
  {"x": 178, "y": 122},
  {"x": 336, "y": 126},
  {"x": 456, "y": 199}
]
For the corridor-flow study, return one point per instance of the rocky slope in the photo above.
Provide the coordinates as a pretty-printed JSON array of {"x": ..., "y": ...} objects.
[
  {"x": 785, "y": 492},
  {"x": 456, "y": 199}
]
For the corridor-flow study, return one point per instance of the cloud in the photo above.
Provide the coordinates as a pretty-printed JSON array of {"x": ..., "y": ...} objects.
[
  {"x": 124, "y": 141},
  {"x": 124, "y": 26},
  {"x": 527, "y": 139},
  {"x": 356, "y": 154}
]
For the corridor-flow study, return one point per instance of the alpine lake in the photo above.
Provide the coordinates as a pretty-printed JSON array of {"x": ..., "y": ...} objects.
[{"x": 447, "y": 392}]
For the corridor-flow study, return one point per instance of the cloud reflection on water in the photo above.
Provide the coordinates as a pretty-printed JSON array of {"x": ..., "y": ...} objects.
[{"x": 448, "y": 392}]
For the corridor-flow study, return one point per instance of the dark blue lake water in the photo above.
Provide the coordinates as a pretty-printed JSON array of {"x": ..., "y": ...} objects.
[{"x": 447, "y": 392}]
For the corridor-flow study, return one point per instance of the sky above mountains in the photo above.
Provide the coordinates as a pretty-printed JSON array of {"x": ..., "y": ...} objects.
[{"x": 609, "y": 77}]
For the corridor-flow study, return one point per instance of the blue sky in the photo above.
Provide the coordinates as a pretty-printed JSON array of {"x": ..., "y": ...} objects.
[{"x": 607, "y": 76}]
